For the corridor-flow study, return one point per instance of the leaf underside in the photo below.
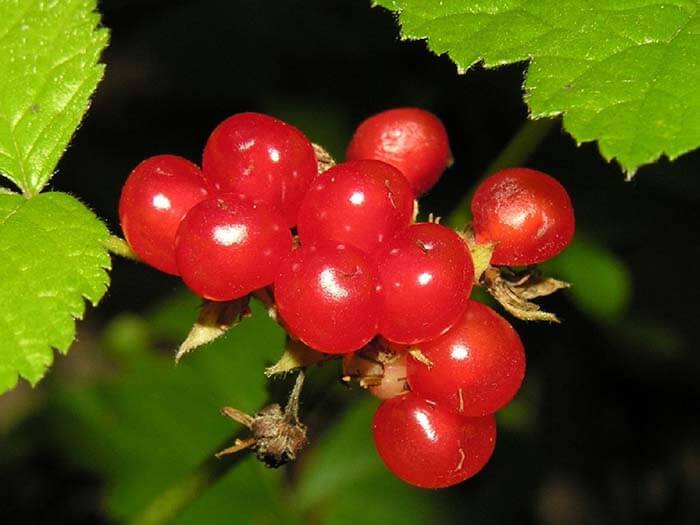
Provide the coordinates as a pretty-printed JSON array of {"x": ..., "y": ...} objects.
[
  {"x": 49, "y": 53},
  {"x": 622, "y": 72},
  {"x": 51, "y": 258}
]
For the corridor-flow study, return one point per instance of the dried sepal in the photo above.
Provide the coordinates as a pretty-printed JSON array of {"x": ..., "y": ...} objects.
[
  {"x": 324, "y": 160},
  {"x": 434, "y": 219},
  {"x": 215, "y": 319},
  {"x": 540, "y": 286},
  {"x": 514, "y": 292},
  {"x": 416, "y": 210},
  {"x": 419, "y": 356},
  {"x": 277, "y": 435},
  {"x": 296, "y": 355},
  {"x": 481, "y": 252}
]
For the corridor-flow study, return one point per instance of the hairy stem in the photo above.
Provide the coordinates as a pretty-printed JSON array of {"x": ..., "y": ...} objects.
[
  {"x": 292, "y": 408},
  {"x": 521, "y": 146}
]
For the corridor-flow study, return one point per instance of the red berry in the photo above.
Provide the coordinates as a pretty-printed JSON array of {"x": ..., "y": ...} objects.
[
  {"x": 413, "y": 140},
  {"x": 326, "y": 295},
  {"x": 426, "y": 274},
  {"x": 477, "y": 366},
  {"x": 263, "y": 159},
  {"x": 429, "y": 447},
  {"x": 155, "y": 198},
  {"x": 226, "y": 248},
  {"x": 526, "y": 212},
  {"x": 362, "y": 203}
]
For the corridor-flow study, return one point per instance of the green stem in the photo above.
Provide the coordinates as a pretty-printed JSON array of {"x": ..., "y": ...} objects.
[
  {"x": 119, "y": 246},
  {"x": 178, "y": 496},
  {"x": 521, "y": 146}
]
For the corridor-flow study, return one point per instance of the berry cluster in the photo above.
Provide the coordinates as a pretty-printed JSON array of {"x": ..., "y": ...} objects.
[{"x": 351, "y": 271}]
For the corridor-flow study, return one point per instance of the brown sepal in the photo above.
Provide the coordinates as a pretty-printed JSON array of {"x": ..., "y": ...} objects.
[
  {"x": 514, "y": 292},
  {"x": 324, "y": 160},
  {"x": 215, "y": 319},
  {"x": 277, "y": 435}
]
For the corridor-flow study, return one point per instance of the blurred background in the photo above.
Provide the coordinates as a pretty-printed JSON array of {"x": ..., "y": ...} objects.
[{"x": 605, "y": 428}]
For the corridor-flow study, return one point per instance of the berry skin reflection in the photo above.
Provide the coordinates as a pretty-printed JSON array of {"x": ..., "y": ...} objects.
[
  {"x": 527, "y": 213},
  {"x": 429, "y": 447},
  {"x": 411, "y": 139}
]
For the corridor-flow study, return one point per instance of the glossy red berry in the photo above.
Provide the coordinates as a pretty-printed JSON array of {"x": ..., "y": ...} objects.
[
  {"x": 326, "y": 295},
  {"x": 428, "y": 446},
  {"x": 526, "y": 212},
  {"x": 412, "y": 139},
  {"x": 155, "y": 198},
  {"x": 426, "y": 275},
  {"x": 263, "y": 159},
  {"x": 362, "y": 203},
  {"x": 226, "y": 248},
  {"x": 477, "y": 366}
]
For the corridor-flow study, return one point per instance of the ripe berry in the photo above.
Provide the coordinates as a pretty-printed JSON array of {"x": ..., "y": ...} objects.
[
  {"x": 426, "y": 273},
  {"x": 429, "y": 447},
  {"x": 263, "y": 159},
  {"x": 226, "y": 248},
  {"x": 477, "y": 366},
  {"x": 413, "y": 140},
  {"x": 526, "y": 212},
  {"x": 155, "y": 198},
  {"x": 362, "y": 203},
  {"x": 326, "y": 295}
]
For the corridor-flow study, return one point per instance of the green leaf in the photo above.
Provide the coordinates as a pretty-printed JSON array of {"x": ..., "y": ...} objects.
[
  {"x": 151, "y": 423},
  {"x": 250, "y": 493},
  {"x": 622, "y": 72},
  {"x": 51, "y": 259},
  {"x": 48, "y": 70}
]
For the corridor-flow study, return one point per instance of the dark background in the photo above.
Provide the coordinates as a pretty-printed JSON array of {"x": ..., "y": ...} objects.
[{"x": 610, "y": 430}]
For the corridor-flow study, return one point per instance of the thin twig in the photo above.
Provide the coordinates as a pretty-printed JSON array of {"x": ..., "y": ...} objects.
[{"x": 292, "y": 408}]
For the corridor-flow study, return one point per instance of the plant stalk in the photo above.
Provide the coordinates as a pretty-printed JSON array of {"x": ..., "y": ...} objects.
[{"x": 178, "y": 496}]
